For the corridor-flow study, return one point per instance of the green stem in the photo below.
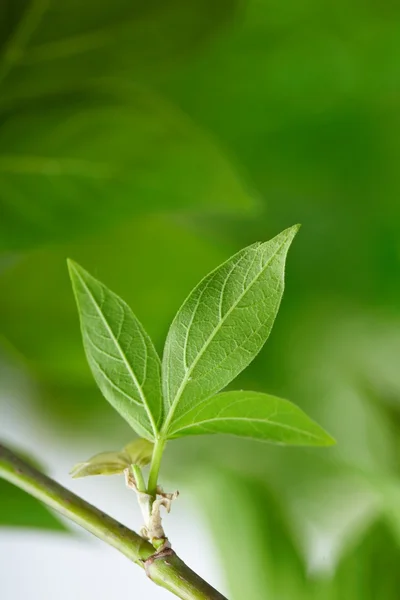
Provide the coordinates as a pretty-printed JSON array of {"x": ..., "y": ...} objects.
[
  {"x": 165, "y": 568},
  {"x": 137, "y": 471},
  {"x": 159, "y": 447},
  {"x": 16, "y": 471}
]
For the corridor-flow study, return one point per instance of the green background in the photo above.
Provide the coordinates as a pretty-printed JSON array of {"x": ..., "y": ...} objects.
[{"x": 150, "y": 141}]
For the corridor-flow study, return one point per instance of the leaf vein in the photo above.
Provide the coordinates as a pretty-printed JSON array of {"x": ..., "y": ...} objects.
[
  {"x": 113, "y": 384},
  {"x": 121, "y": 352},
  {"x": 250, "y": 420},
  {"x": 215, "y": 331}
]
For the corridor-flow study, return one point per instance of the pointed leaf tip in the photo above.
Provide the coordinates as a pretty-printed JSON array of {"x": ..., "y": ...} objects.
[
  {"x": 296, "y": 228},
  {"x": 289, "y": 233}
]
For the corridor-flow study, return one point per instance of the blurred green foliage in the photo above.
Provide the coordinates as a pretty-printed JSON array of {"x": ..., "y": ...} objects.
[
  {"x": 18, "y": 509},
  {"x": 79, "y": 124},
  {"x": 150, "y": 142}
]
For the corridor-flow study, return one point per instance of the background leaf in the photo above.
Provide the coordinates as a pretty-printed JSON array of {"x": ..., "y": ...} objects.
[
  {"x": 121, "y": 355},
  {"x": 76, "y": 153},
  {"x": 74, "y": 85},
  {"x": 270, "y": 564},
  {"x": 252, "y": 414},
  {"x": 223, "y": 324},
  {"x": 19, "y": 509},
  {"x": 52, "y": 46}
]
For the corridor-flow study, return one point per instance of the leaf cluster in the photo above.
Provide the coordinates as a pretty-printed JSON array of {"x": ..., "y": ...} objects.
[{"x": 217, "y": 332}]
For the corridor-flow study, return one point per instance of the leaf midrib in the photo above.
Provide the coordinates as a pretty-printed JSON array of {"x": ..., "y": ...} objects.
[
  {"x": 212, "y": 335},
  {"x": 241, "y": 419},
  {"x": 121, "y": 352}
]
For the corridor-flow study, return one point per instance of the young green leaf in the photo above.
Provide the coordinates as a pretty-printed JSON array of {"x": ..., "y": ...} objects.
[
  {"x": 121, "y": 355},
  {"x": 137, "y": 453},
  {"x": 223, "y": 324},
  {"x": 254, "y": 415},
  {"x": 105, "y": 463},
  {"x": 140, "y": 452}
]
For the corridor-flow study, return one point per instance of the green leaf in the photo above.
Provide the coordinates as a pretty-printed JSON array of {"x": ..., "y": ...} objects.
[
  {"x": 223, "y": 324},
  {"x": 99, "y": 155},
  {"x": 105, "y": 463},
  {"x": 52, "y": 45},
  {"x": 41, "y": 327},
  {"x": 138, "y": 453},
  {"x": 81, "y": 147},
  {"x": 121, "y": 355},
  {"x": 252, "y": 414}
]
